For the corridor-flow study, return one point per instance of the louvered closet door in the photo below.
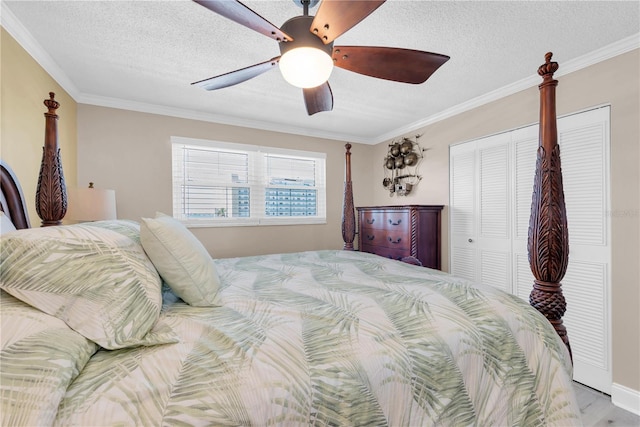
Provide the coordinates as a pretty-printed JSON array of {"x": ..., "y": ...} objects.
[
  {"x": 584, "y": 152},
  {"x": 584, "y": 149},
  {"x": 491, "y": 183},
  {"x": 525, "y": 146},
  {"x": 493, "y": 244},
  {"x": 462, "y": 210},
  {"x": 480, "y": 211}
]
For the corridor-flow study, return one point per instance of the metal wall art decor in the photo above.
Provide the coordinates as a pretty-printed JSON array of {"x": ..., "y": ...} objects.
[{"x": 401, "y": 166}]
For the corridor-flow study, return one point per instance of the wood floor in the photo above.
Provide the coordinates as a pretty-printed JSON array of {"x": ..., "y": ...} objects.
[{"x": 597, "y": 409}]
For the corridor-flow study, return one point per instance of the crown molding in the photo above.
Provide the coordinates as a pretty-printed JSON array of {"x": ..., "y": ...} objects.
[
  {"x": 14, "y": 27},
  {"x": 607, "y": 52},
  {"x": 123, "y": 104}
]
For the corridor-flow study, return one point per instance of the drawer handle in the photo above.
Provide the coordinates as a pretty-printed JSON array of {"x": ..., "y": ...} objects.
[
  {"x": 370, "y": 237},
  {"x": 395, "y": 241},
  {"x": 370, "y": 220},
  {"x": 395, "y": 223}
]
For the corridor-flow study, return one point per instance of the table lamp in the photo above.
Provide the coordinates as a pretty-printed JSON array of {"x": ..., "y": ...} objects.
[{"x": 91, "y": 204}]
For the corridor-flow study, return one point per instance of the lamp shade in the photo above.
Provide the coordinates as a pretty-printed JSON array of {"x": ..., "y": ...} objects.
[
  {"x": 91, "y": 204},
  {"x": 306, "y": 67}
]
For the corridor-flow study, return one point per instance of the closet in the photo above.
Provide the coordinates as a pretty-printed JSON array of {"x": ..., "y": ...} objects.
[{"x": 491, "y": 183}]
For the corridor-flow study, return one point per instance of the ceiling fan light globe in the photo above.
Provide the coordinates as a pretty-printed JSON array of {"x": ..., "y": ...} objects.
[{"x": 306, "y": 67}]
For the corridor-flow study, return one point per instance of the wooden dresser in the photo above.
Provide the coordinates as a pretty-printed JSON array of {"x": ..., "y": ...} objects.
[{"x": 401, "y": 232}]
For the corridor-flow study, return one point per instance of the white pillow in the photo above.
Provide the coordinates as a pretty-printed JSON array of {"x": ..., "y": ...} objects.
[
  {"x": 5, "y": 224},
  {"x": 180, "y": 258}
]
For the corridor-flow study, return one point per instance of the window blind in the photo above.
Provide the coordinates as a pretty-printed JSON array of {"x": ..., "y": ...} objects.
[{"x": 219, "y": 183}]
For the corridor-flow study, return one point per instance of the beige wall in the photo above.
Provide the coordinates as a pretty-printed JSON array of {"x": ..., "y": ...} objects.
[
  {"x": 23, "y": 88},
  {"x": 130, "y": 152},
  {"x": 615, "y": 82}
]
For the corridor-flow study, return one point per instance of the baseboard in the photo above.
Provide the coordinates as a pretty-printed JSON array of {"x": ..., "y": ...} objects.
[{"x": 626, "y": 398}]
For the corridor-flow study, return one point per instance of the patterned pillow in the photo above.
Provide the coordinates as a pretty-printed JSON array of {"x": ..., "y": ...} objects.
[
  {"x": 93, "y": 276},
  {"x": 182, "y": 261},
  {"x": 57, "y": 354}
]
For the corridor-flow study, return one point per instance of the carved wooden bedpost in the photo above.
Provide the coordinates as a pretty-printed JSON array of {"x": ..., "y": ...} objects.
[
  {"x": 548, "y": 242},
  {"x": 51, "y": 193},
  {"x": 348, "y": 213}
]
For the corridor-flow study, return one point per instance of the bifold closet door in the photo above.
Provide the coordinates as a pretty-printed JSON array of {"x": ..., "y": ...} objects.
[
  {"x": 491, "y": 185},
  {"x": 584, "y": 152},
  {"x": 462, "y": 210},
  {"x": 480, "y": 211},
  {"x": 493, "y": 245}
]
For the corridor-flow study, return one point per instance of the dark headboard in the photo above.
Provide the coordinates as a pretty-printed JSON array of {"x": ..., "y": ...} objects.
[{"x": 12, "y": 199}]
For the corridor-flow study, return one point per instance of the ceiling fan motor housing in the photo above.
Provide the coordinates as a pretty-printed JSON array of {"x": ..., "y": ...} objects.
[{"x": 299, "y": 28}]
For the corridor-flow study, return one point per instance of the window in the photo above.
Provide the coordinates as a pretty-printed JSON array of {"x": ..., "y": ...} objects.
[{"x": 219, "y": 183}]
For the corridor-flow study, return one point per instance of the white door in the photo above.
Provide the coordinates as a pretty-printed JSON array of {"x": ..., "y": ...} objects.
[
  {"x": 493, "y": 241},
  {"x": 525, "y": 147},
  {"x": 480, "y": 211},
  {"x": 584, "y": 152},
  {"x": 584, "y": 144},
  {"x": 462, "y": 210}
]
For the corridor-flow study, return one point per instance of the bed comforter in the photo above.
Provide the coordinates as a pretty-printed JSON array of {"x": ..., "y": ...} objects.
[{"x": 313, "y": 338}]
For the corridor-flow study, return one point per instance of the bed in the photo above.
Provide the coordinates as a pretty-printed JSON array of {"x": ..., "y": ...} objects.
[{"x": 133, "y": 323}]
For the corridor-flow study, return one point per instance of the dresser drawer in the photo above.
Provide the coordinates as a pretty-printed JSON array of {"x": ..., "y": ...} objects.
[
  {"x": 401, "y": 231},
  {"x": 386, "y": 252},
  {"x": 392, "y": 239},
  {"x": 385, "y": 220}
]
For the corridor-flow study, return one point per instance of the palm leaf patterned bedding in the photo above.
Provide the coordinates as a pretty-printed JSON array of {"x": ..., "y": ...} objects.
[{"x": 314, "y": 338}]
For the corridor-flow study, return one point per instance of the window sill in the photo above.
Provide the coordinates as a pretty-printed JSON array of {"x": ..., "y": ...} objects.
[{"x": 253, "y": 222}]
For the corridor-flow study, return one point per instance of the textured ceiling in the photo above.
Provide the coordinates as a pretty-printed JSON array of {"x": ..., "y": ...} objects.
[{"x": 143, "y": 55}]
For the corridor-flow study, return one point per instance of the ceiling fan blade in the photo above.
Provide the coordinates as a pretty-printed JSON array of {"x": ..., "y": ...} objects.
[
  {"x": 318, "y": 99},
  {"x": 389, "y": 63},
  {"x": 238, "y": 76},
  {"x": 335, "y": 17},
  {"x": 238, "y": 12}
]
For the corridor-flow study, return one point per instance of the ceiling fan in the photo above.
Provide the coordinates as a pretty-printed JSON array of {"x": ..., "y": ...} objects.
[{"x": 307, "y": 54}]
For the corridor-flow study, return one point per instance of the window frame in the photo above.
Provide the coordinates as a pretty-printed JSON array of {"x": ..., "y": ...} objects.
[{"x": 257, "y": 183}]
